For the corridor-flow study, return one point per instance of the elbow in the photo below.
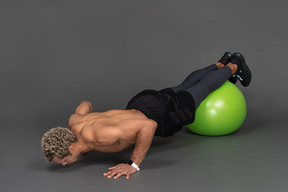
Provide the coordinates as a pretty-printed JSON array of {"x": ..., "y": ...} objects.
[
  {"x": 153, "y": 124},
  {"x": 86, "y": 102}
]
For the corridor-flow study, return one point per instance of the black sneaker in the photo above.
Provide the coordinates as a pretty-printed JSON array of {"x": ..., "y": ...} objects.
[
  {"x": 233, "y": 79},
  {"x": 243, "y": 72},
  {"x": 225, "y": 60}
]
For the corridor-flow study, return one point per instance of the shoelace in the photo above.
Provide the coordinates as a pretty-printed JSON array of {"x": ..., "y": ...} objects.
[{"x": 238, "y": 76}]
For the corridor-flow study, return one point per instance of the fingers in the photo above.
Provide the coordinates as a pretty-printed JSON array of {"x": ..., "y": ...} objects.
[
  {"x": 116, "y": 166},
  {"x": 118, "y": 175},
  {"x": 114, "y": 174},
  {"x": 119, "y": 170},
  {"x": 110, "y": 174},
  {"x": 111, "y": 168},
  {"x": 113, "y": 171}
]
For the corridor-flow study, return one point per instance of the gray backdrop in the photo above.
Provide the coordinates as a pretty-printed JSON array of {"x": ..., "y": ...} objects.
[{"x": 55, "y": 53}]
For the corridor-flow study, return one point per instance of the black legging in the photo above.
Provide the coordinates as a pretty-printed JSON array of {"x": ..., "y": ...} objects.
[{"x": 202, "y": 82}]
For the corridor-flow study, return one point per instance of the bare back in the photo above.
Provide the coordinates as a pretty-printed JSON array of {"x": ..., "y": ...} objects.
[{"x": 110, "y": 131}]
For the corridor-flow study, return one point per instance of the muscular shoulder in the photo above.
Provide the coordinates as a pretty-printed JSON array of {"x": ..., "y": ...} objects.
[
  {"x": 104, "y": 135},
  {"x": 75, "y": 119},
  {"x": 72, "y": 119},
  {"x": 87, "y": 134}
]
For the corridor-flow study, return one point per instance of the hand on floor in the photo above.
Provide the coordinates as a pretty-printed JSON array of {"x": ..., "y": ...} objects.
[{"x": 119, "y": 170}]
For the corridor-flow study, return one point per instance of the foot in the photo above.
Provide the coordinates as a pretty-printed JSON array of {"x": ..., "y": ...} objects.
[
  {"x": 243, "y": 72},
  {"x": 225, "y": 60}
]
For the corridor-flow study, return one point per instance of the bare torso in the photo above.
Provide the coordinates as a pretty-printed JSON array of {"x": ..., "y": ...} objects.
[{"x": 103, "y": 131}]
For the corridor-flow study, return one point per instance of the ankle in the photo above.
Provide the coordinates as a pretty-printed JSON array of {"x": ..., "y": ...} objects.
[
  {"x": 233, "y": 67},
  {"x": 220, "y": 65}
]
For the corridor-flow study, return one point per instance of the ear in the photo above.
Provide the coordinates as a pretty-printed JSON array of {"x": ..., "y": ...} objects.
[{"x": 71, "y": 148}]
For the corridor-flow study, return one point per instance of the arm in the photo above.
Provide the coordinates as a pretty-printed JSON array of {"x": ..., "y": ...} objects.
[
  {"x": 144, "y": 137},
  {"x": 143, "y": 142},
  {"x": 84, "y": 108}
]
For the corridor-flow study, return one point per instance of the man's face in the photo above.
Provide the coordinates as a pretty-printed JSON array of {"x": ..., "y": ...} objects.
[{"x": 71, "y": 158}]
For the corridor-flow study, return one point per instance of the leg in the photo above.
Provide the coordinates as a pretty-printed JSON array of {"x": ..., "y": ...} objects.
[
  {"x": 210, "y": 82},
  {"x": 184, "y": 103},
  {"x": 194, "y": 77}
]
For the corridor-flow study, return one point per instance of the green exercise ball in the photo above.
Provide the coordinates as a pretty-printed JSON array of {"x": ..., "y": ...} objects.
[{"x": 221, "y": 113}]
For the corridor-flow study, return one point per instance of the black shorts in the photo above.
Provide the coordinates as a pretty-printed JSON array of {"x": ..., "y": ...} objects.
[{"x": 171, "y": 111}]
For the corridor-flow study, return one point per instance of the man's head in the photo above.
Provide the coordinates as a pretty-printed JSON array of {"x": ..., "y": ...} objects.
[{"x": 58, "y": 145}]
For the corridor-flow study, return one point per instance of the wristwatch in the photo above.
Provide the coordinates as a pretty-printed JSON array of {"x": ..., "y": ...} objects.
[{"x": 130, "y": 162}]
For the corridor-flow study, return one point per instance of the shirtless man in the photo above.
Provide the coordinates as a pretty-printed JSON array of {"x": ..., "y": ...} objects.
[{"x": 161, "y": 113}]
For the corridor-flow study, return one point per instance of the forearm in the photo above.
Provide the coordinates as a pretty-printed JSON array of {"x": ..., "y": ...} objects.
[{"x": 143, "y": 143}]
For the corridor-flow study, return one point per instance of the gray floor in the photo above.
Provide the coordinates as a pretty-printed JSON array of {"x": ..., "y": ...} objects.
[{"x": 53, "y": 54}]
